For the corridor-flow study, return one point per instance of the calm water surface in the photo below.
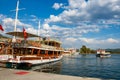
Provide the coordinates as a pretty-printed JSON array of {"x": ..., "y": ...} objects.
[{"x": 89, "y": 66}]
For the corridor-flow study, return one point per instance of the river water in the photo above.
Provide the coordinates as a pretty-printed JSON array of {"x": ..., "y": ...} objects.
[{"x": 89, "y": 66}]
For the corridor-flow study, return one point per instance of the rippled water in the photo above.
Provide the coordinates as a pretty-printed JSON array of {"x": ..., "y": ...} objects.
[{"x": 88, "y": 66}]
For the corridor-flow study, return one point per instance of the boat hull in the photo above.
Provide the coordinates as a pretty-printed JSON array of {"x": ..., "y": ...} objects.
[
  {"x": 103, "y": 55},
  {"x": 27, "y": 64}
]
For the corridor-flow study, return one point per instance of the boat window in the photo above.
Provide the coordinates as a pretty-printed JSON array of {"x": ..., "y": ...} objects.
[
  {"x": 35, "y": 51},
  {"x": 29, "y": 51},
  {"x": 50, "y": 52},
  {"x": 55, "y": 52},
  {"x": 22, "y": 51},
  {"x": 42, "y": 52},
  {"x": 59, "y": 52}
]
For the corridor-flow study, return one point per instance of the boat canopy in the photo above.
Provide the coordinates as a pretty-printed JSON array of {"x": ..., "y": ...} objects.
[{"x": 20, "y": 34}]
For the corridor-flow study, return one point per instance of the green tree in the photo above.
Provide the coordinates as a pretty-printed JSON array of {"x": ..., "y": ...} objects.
[{"x": 85, "y": 50}]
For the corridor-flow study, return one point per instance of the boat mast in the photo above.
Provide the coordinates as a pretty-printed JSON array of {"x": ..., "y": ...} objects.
[
  {"x": 39, "y": 31},
  {"x": 14, "y": 39},
  {"x": 39, "y": 28}
]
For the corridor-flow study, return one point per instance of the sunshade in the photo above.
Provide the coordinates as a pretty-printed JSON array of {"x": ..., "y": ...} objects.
[{"x": 20, "y": 34}]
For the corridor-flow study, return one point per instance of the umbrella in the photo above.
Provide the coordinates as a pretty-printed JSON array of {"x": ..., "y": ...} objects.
[{"x": 20, "y": 34}]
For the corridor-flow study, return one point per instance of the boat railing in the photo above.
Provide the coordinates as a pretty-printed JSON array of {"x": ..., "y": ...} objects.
[
  {"x": 46, "y": 46},
  {"x": 51, "y": 47},
  {"x": 4, "y": 49},
  {"x": 35, "y": 44},
  {"x": 26, "y": 44}
]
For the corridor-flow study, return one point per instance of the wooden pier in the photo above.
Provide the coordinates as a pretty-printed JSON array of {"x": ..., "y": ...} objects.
[{"x": 13, "y": 74}]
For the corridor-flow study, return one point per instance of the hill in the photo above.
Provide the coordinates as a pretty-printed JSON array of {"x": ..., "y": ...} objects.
[{"x": 113, "y": 50}]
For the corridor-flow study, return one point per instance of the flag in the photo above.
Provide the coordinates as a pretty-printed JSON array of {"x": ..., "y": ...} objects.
[
  {"x": 24, "y": 33},
  {"x": 1, "y": 28}
]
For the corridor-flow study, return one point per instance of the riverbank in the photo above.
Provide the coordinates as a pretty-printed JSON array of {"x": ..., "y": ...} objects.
[{"x": 13, "y": 74}]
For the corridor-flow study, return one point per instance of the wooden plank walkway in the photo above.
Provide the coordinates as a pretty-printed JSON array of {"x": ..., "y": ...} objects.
[{"x": 13, "y": 74}]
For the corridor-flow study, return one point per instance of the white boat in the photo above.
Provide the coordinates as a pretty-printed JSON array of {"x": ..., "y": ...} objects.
[
  {"x": 102, "y": 53},
  {"x": 24, "y": 53},
  {"x": 30, "y": 53}
]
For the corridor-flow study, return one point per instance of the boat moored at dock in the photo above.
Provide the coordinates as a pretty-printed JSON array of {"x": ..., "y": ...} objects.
[
  {"x": 28, "y": 52},
  {"x": 22, "y": 51}
]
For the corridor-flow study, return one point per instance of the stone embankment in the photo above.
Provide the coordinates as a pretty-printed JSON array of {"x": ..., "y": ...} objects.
[{"x": 13, "y": 74}]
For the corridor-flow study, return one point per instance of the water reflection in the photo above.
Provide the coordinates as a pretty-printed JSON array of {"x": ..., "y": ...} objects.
[
  {"x": 91, "y": 66},
  {"x": 54, "y": 67},
  {"x": 85, "y": 66}
]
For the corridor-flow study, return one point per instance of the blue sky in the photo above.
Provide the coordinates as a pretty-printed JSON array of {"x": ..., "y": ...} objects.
[{"x": 95, "y": 23}]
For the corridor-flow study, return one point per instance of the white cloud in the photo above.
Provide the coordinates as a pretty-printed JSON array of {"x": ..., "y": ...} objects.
[
  {"x": 78, "y": 10},
  {"x": 53, "y": 19},
  {"x": 70, "y": 42},
  {"x": 111, "y": 40},
  {"x": 57, "y": 5},
  {"x": 99, "y": 41},
  {"x": 70, "y": 12},
  {"x": 8, "y": 25},
  {"x": 92, "y": 42},
  {"x": 75, "y": 3},
  {"x": 86, "y": 40},
  {"x": 55, "y": 27},
  {"x": 79, "y": 18},
  {"x": 9, "y": 22},
  {"x": 31, "y": 30},
  {"x": 75, "y": 13},
  {"x": 59, "y": 28},
  {"x": 2, "y": 16},
  {"x": 33, "y": 16},
  {"x": 70, "y": 39},
  {"x": 46, "y": 26}
]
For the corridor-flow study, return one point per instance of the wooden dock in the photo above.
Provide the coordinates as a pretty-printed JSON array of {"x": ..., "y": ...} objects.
[{"x": 13, "y": 74}]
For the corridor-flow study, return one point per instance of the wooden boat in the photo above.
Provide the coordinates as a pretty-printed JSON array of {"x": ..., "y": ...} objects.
[
  {"x": 102, "y": 53},
  {"x": 29, "y": 52},
  {"x": 21, "y": 53}
]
